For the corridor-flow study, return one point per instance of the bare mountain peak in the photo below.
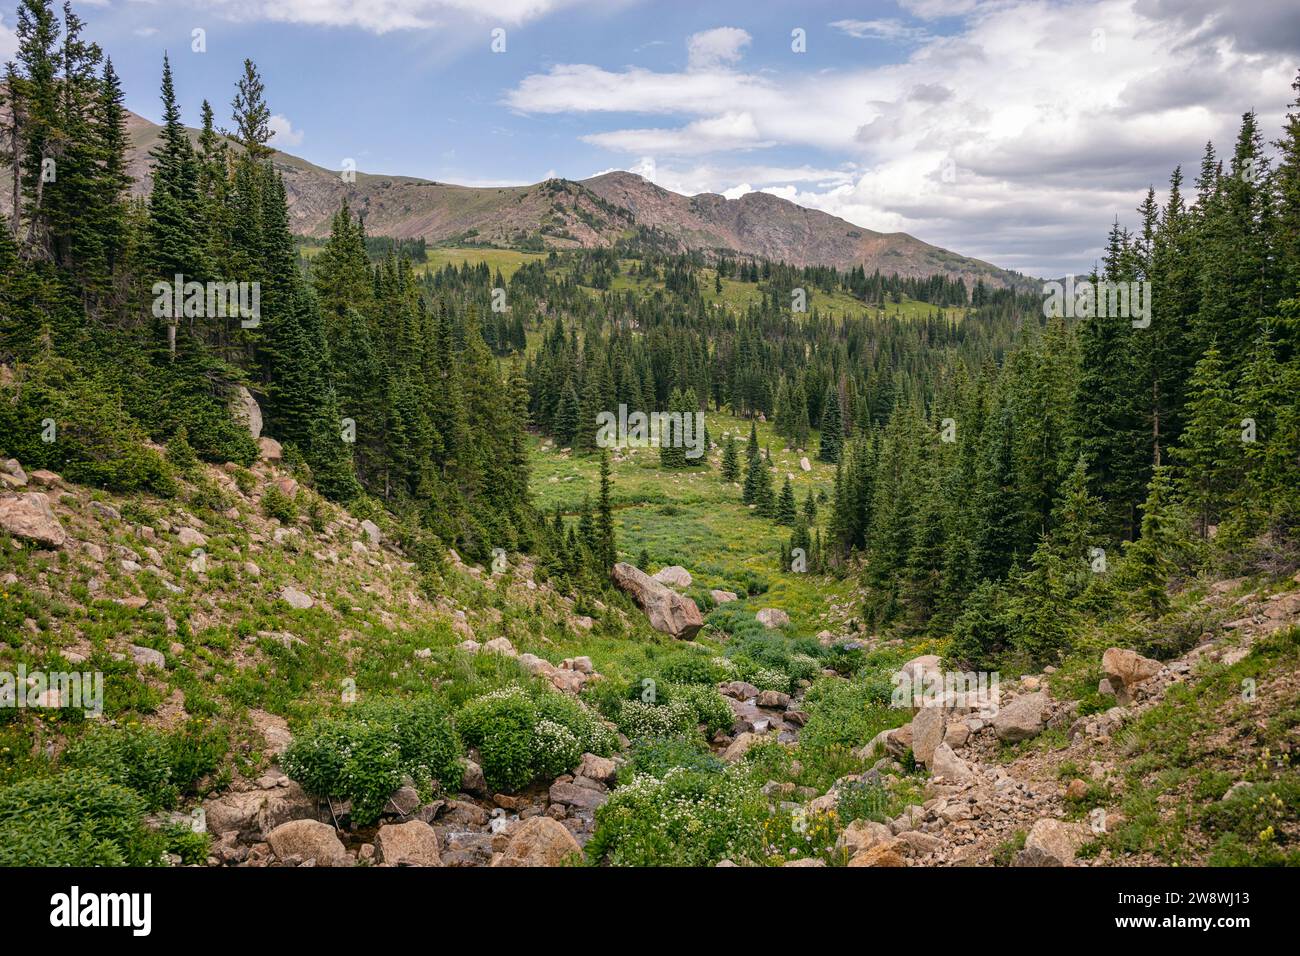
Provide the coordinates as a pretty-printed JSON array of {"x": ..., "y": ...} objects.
[{"x": 601, "y": 210}]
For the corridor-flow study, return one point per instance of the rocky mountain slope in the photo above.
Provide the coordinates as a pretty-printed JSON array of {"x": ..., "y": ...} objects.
[
  {"x": 206, "y": 608},
  {"x": 591, "y": 213}
]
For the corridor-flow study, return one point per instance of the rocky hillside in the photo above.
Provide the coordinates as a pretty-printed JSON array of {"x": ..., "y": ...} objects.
[
  {"x": 596, "y": 212},
  {"x": 238, "y": 621}
]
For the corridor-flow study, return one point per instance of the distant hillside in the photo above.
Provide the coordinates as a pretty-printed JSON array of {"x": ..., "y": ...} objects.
[{"x": 591, "y": 213}]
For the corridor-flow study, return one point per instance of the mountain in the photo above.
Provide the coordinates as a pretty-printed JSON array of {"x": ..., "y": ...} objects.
[{"x": 592, "y": 213}]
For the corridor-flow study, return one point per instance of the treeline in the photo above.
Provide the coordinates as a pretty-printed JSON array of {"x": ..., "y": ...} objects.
[
  {"x": 1102, "y": 460},
  {"x": 375, "y": 380}
]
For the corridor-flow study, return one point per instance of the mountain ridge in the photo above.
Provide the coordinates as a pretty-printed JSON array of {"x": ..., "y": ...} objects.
[{"x": 595, "y": 212}]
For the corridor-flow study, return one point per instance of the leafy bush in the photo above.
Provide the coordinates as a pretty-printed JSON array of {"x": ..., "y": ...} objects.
[
  {"x": 76, "y": 818},
  {"x": 190, "y": 846},
  {"x": 638, "y": 719},
  {"x": 555, "y": 749},
  {"x": 687, "y": 818},
  {"x": 708, "y": 706},
  {"x": 96, "y": 442},
  {"x": 133, "y": 756},
  {"x": 690, "y": 669},
  {"x": 276, "y": 504},
  {"x": 521, "y": 738},
  {"x": 366, "y": 753},
  {"x": 180, "y": 454},
  {"x": 655, "y": 756}
]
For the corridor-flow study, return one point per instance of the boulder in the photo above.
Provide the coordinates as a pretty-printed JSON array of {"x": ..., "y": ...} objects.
[
  {"x": 148, "y": 657},
  {"x": 1125, "y": 670},
  {"x": 245, "y": 410},
  {"x": 233, "y": 812},
  {"x": 928, "y": 728},
  {"x": 805, "y": 464},
  {"x": 597, "y": 768},
  {"x": 29, "y": 516},
  {"x": 1022, "y": 719},
  {"x": 772, "y": 617},
  {"x": 576, "y": 795},
  {"x": 539, "y": 841},
  {"x": 413, "y": 843},
  {"x": 883, "y": 854},
  {"x": 668, "y": 611},
  {"x": 723, "y": 597},
  {"x": 372, "y": 532},
  {"x": 472, "y": 780},
  {"x": 861, "y": 835},
  {"x": 948, "y": 765},
  {"x": 773, "y": 699},
  {"x": 191, "y": 538},
  {"x": 1052, "y": 843},
  {"x": 675, "y": 576},
  {"x": 268, "y": 449},
  {"x": 308, "y": 840},
  {"x": 296, "y": 599},
  {"x": 737, "y": 748}
]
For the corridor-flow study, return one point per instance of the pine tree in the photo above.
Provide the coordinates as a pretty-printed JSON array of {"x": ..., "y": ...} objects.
[
  {"x": 1149, "y": 560},
  {"x": 786, "y": 511},
  {"x": 1208, "y": 457},
  {"x": 730, "y": 470},
  {"x": 832, "y": 432}
]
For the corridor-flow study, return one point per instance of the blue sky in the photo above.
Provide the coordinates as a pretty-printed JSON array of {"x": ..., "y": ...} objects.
[{"x": 1012, "y": 130}]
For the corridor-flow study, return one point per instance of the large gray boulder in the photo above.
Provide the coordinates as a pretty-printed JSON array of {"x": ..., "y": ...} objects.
[
  {"x": 667, "y": 610},
  {"x": 539, "y": 841},
  {"x": 1125, "y": 670},
  {"x": 308, "y": 840},
  {"x": 29, "y": 516},
  {"x": 413, "y": 843},
  {"x": 675, "y": 576},
  {"x": 1022, "y": 719}
]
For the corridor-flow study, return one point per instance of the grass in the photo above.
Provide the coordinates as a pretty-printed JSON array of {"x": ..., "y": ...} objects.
[{"x": 692, "y": 518}]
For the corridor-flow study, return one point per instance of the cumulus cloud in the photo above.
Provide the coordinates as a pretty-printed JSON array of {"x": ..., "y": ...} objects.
[
  {"x": 1016, "y": 138},
  {"x": 283, "y": 135},
  {"x": 715, "y": 48},
  {"x": 382, "y": 16},
  {"x": 8, "y": 41},
  {"x": 891, "y": 30}
]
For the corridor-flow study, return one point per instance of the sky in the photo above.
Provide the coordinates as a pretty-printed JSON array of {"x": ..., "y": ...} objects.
[{"x": 1010, "y": 130}]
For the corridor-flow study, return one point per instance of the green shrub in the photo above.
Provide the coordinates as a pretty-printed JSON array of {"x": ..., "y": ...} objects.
[
  {"x": 521, "y": 738},
  {"x": 638, "y": 719},
  {"x": 180, "y": 455},
  {"x": 276, "y": 504},
  {"x": 690, "y": 669},
  {"x": 133, "y": 756},
  {"x": 500, "y": 725},
  {"x": 76, "y": 818},
  {"x": 708, "y": 706},
  {"x": 687, "y": 818},
  {"x": 366, "y": 753},
  {"x": 190, "y": 846},
  {"x": 655, "y": 756}
]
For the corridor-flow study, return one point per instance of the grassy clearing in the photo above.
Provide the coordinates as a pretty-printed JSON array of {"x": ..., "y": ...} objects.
[{"x": 694, "y": 519}]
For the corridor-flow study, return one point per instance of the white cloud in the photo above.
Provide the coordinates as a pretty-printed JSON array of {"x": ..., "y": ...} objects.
[
  {"x": 382, "y": 16},
  {"x": 728, "y": 131},
  {"x": 145, "y": 31},
  {"x": 283, "y": 135},
  {"x": 934, "y": 9},
  {"x": 891, "y": 30},
  {"x": 8, "y": 41},
  {"x": 716, "y": 48},
  {"x": 1015, "y": 139}
]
